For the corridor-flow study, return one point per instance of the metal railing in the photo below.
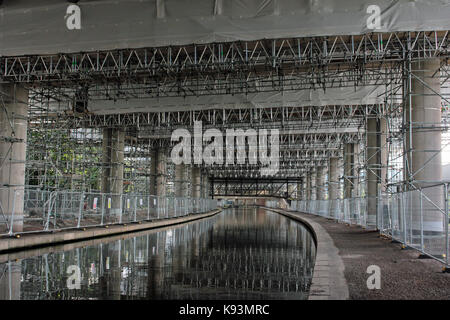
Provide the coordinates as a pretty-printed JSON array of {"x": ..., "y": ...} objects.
[
  {"x": 58, "y": 210},
  {"x": 418, "y": 219},
  {"x": 352, "y": 211}
]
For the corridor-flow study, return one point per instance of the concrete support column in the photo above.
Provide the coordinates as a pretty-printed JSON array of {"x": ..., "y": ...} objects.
[
  {"x": 351, "y": 151},
  {"x": 179, "y": 180},
  {"x": 300, "y": 190},
  {"x": 189, "y": 181},
  {"x": 161, "y": 174},
  {"x": 153, "y": 166},
  {"x": 117, "y": 161},
  {"x": 197, "y": 183},
  {"x": 320, "y": 181},
  {"x": 376, "y": 161},
  {"x": 13, "y": 139},
  {"x": 205, "y": 186},
  {"x": 106, "y": 160},
  {"x": 333, "y": 179},
  {"x": 185, "y": 182},
  {"x": 423, "y": 142},
  {"x": 313, "y": 184},
  {"x": 113, "y": 160},
  {"x": 308, "y": 186}
]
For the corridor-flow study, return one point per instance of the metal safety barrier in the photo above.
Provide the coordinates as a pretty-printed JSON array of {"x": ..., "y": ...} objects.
[
  {"x": 418, "y": 219},
  {"x": 59, "y": 210}
]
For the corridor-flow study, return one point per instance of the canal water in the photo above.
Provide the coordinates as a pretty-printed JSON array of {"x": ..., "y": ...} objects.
[{"x": 241, "y": 253}]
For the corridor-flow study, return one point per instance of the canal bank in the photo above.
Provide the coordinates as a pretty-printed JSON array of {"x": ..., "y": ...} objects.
[
  {"x": 403, "y": 275},
  {"x": 328, "y": 281},
  {"x": 39, "y": 239}
]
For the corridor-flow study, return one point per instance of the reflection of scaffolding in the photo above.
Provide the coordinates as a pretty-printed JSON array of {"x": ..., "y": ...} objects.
[
  {"x": 125, "y": 264},
  {"x": 177, "y": 263}
]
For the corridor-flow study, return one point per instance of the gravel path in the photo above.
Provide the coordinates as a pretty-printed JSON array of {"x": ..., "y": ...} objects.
[{"x": 403, "y": 275}]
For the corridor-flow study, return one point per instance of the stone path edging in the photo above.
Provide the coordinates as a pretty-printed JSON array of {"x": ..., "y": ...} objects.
[
  {"x": 328, "y": 282},
  {"x": 27, "y": 241}
]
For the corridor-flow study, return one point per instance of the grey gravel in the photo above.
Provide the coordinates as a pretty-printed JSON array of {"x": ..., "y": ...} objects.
[{"x": 403, "y": 275}]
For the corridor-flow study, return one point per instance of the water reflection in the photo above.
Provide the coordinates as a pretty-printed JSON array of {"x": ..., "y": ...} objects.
[{"x": 238, "y": 254}]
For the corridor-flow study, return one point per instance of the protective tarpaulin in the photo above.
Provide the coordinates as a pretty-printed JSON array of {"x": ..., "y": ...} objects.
[
  {"x": 40, "y": 27},
  {"x": 335, "y": 96}
]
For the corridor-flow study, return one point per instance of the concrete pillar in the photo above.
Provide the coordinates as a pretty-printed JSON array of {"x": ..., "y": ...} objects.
[
  {"x": 161, "y": 174},
  {"x": 205, "y": 187},
  {"x": 185, "y": 182},
  {"x": 423, "y": 142},
  {"x": 376, "y": 161},
  {"x": 333, "y": 179},
  {"x": 113, "y": 160},
  {"x": 152, "y": 178},
  {"x": 320, "y": 181},
  {"x": 13, "y": 139},
  {"x": 313, "y": 184},
  {"x": 300, "y": 190},
  {"x": 179, "y": 180},
  {"x": 351, "y": 174},
  {"x": 196, "y": 180},
  {"x": 117, "y": 161},
  {"x": 308, "y": 186}
]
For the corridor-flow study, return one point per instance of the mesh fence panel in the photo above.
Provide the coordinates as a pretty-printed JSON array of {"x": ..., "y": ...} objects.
[{"x": 47, "y": 211}]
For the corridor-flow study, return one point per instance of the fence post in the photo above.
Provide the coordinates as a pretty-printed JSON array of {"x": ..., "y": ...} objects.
[
  {"x": 421, "y": 220},
  {"x": 446, "y": 223},
  {"x": 80, "y": 209},
  {"x": 121, "y": 208},
  {"x": 175, "y": 205},
  {"x": 47, "y": 224},
  {"x": 166, "y": 208},
  {"x": 103, "y": 208},
  {"x": 12, "y": 214},
  {"x": 158, "y": 205},
  {"x": 404, "y": 217},
  {"x": 148, "y": 207},
  {"x": 380, "y": 211},
  {"x": 135, "y": 208}
]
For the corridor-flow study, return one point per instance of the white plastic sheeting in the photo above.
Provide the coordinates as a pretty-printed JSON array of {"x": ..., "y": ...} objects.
[
  {"x": 39, "y": 27},
  {"x": 333, "y": 96}
]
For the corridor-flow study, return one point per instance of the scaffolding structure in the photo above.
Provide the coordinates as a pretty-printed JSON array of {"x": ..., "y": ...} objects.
[{"x": 64, "y": 149}]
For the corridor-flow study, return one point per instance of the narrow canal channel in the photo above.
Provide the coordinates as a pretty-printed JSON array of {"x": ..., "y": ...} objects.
[{"x": 241, "y": 253}]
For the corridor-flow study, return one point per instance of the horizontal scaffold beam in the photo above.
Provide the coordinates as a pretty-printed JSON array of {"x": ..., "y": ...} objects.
[{"x": 282, "y": 65}]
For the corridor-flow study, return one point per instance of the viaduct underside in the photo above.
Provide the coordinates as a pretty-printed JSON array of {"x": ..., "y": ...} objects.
[{"x": 355, "y": 115}]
